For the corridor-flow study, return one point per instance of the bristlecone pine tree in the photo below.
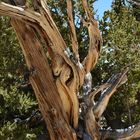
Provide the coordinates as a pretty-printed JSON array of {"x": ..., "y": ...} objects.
[{"x": 59, "y": 78}]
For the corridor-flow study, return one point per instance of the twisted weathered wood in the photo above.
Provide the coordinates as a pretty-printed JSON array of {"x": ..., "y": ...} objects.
[
  {"x": 57, "y": 45},
  {"x": 94, "y": 39},
  {"x": 135, "y": 2},
  {"x": 46, "y": 92},
  {"x": 57, "y": 83},
  {"x": 72, "y": 29},
  {"x": 133, "y": 132}
]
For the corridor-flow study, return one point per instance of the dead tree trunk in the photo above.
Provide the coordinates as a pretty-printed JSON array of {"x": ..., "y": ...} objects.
[{"x": 56, "y": 83}]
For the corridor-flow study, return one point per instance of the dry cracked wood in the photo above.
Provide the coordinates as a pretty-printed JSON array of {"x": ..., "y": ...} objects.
[
  {"x": 53, "y": 36},
  {"x": 94, "y": 111},
  {"x": 114, "y": 82},
  {"x": 46, "y": 92},
  {"x": 133, "y": 132},
  {"x": 57, "y": 83},
  {"x": 94, "y": 39},
  {"x": 72, "y": 29}
]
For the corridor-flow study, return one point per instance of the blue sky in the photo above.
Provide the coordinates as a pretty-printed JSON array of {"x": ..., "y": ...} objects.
[{"x": 101, "y": 6}]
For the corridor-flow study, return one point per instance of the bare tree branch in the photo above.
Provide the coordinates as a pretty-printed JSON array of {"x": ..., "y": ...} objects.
[
  {"x": 134, "y": 2},
  {"x": 115, "y": 81},
  {"x": 100, "y": 88},
  {"x": 18, "y": 12},
  {"x": 92, "y": 126},
  {"x": 86, "y": 7},
  {"x": 72, "y": 28},
  {"x": 122, "y": 134},
  {"x": 95, "y": 39}
]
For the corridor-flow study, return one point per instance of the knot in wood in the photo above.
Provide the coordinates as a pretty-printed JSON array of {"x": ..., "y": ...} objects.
[{"x": 53, "y": 111}]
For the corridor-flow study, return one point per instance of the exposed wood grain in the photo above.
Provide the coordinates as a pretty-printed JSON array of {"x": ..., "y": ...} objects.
[
  {"x": 43, "y": 83},
  {"x": 72, "y": 29},
  {"x": 94, "y": 39},
  {"x": 57, "y": 83}
]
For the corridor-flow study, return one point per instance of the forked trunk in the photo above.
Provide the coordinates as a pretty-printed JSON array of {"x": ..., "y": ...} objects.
[{"x": 58, "y": 77}]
